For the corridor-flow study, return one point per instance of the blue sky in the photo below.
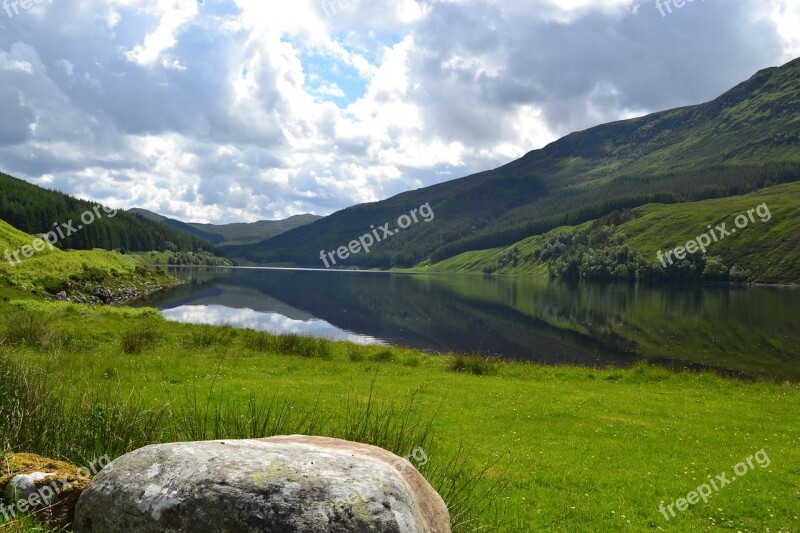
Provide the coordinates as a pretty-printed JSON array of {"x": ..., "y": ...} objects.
[{"x": 241, "y": 110}]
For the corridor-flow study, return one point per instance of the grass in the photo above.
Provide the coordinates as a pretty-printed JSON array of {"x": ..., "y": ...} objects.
[
  {"x": 516, "y": 446},
  {"x": 51, "y": 271},
  {"x": 477, "y": 365},
  {"x": 769, "y": 250}
]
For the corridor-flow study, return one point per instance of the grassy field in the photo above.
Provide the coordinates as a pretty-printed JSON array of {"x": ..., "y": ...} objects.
[{"x": 563, "y": 449}]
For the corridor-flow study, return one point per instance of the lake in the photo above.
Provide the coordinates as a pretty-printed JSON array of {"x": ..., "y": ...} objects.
[{"x": 735, "y": 330}]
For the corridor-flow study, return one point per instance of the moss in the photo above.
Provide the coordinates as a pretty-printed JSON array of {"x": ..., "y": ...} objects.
[{"x": 15, "y": 464}]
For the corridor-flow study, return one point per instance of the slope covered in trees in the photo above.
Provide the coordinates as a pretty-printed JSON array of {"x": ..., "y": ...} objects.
[
  {"x": 35, "y": 210},
  {"x": 745, "y": 140}
]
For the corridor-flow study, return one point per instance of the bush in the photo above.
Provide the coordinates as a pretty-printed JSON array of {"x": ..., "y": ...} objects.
[
  {"x": 355, "y": 353},
  {"x": 473, "y": 364},
  {"x": 384, "y": 356},
  {"x": 90, "y": 275}
]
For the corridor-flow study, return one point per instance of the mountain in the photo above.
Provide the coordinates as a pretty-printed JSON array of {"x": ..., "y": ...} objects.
[
  {"x": 183, "y": 227},
  {"x": 35, "y": 210},
  {"x": 626, "y": 244},
  {"x": 745, "y": 140},
  {"x": 232, "y": 234}
]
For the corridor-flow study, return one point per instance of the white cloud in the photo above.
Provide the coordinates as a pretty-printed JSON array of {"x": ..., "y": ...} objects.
[{"x": 246, "y": 109}]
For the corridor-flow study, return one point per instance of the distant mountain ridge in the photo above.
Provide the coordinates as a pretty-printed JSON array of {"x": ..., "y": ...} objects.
[
  {"x": 745, "y": 140},
  {"x": 239, "y": 233}
]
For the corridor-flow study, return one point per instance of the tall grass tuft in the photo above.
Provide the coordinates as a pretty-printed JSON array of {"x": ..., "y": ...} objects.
[
  {"x": 206, "y": 337},
  {"x": 384, "y": 356},
  {"x": 474, "y": 498},
  {"x": 477, "y": 364},
  {"x": 135, "y": 340},
  {"x": 28, "y": 327}
]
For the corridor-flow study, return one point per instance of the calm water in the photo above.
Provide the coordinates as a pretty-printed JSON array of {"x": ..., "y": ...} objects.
[{"x": 732, "y": 329}]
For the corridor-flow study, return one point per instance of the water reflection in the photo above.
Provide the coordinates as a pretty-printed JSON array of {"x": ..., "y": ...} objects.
[
  {"x": 748, "y": 330},
  {"x": 275, "y": 323}
]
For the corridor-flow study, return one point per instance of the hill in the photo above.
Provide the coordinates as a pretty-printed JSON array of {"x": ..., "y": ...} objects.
[
  {"x": 625, "y": 245},
  {"x": 35, "y": 210},
  {"x": 77, "y": 271},
  {"x": 745, "y": 140},
  {"x": 232, "y": 234}
]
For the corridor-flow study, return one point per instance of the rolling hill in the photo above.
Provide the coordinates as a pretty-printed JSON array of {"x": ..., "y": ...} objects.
[
  {"x": 624, "y": 246},
  {"x": 232, "y": 234},
  {"x": 743, "y": 141},
  {"x": 35, "y": 210}
]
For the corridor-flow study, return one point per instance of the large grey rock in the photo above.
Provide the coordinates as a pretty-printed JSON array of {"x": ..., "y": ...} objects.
[{"x": 281, "y": 484}]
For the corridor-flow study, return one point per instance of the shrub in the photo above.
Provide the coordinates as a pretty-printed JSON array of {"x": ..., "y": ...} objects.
[
  {"x": 90, "y": 275},
  {"x": 384, "y": 356},
  {"x": 355, "y": 353},
  {"x": 473, "y": 364},
  {"x": 412, "y": 361}
]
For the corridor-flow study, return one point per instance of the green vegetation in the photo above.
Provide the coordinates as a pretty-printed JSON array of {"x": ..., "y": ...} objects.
[
  {"x": 624, "y": 245},
  {"x": 179, "y": 259},
  {"x": 34, "y": 210},
  {"x": 232, "y": 234},
  {"x": 53, "y": 271},
  {"x": 741, "y": 142},
  {"x": 561, "y": 449}
]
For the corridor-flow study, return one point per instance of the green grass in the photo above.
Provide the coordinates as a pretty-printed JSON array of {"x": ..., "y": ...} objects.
[
  {"x": 769, "y": 250},
  {"x": 51, "y": 271},
  {"x": 563, "y": 449}
]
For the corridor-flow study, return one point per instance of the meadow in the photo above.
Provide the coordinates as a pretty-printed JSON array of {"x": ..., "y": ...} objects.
[{"x": 511, "y": 446}]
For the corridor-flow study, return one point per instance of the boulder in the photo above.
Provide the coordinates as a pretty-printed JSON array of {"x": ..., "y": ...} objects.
[
  {"x": 103, "y": 294},
  {"x": 297, "y": 484}
]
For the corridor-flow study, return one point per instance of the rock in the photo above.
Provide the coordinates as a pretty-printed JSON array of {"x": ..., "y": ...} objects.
[
  {"x": 47, "y": 488},
  {"x": 103, "y": 294},
  {"x": 297, "y": 484},
  {"x": 61, "y": 296}
]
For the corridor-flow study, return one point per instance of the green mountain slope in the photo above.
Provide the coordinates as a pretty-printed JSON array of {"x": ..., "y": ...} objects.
[
  {"x": 183, "y": 227},
  {"x": 232, "y": 234},
  {"x": 35, "y": 210},
  {"x": 742, "y": 141},
  {"x": 51, "y": 271},
  {"x": 625, "y": 245}
]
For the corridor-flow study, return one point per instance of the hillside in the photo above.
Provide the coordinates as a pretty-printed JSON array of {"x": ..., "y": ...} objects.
[
  {"x": 745, "y": 140},
  {"x": 75, "y": 271},
  {"x": 35, "y": 210},
  {"x": 232, "y": 234},
  {"x": 624, "y": 246}
]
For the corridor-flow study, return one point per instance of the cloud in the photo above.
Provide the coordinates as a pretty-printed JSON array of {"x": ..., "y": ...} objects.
[{"x": 247, "y": 110}]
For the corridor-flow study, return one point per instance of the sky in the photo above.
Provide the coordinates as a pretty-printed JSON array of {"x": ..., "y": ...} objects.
[{"x": 244, "y": 110}]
